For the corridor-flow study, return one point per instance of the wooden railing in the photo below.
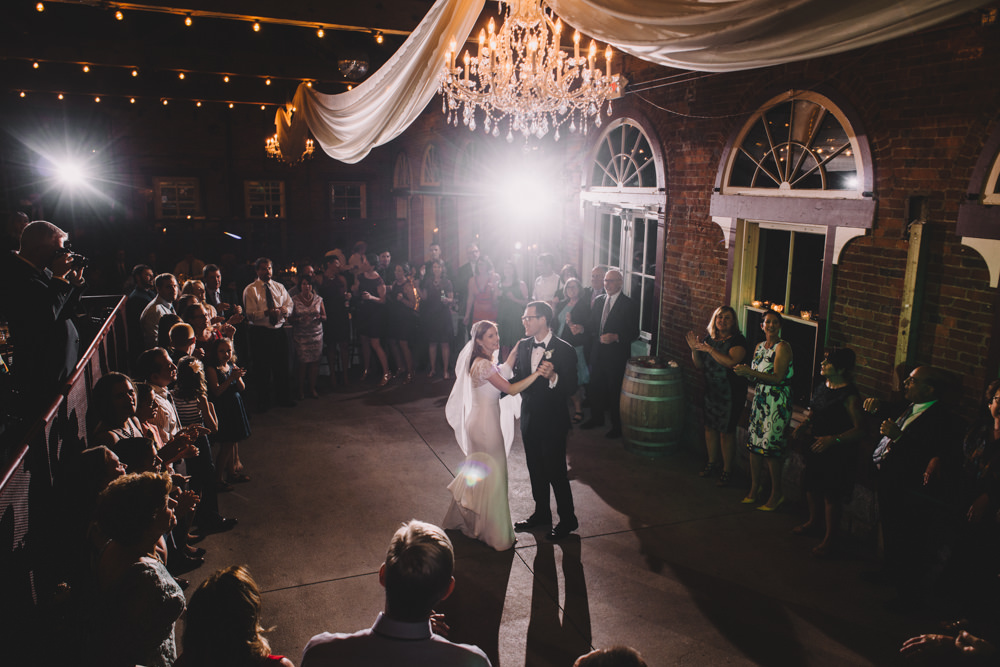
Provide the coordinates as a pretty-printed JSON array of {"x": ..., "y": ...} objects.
[{"x": 31, "y": 463}]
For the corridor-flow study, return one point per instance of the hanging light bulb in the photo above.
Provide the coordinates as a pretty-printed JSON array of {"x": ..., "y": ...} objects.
[
  {"x": 180, "y": 75},
  {"x": 131, "y": 100},
  {"x": 379, "y": 38},
  {"x": 86, "y": 68},
  {"x": 135, "y": 72},
  {"x": 230, "y": 105},
  {"x": 165, "y": 101},
  {"x": 35, "y": 64},
  {"x": 198, "y": 103},
  {"x": 188, "y": 21},
  {"x": 320, "y": 33},
  {"x": 225, "y": 79},
  {"x": 40, "y": 6},
  {"x": 22, "y": 92},
  {"x": 97, "y": 99},
  {"x": 60, "y": 95},
  {"x": 267, "y": 82},
  {"x": 256, "y": 26},
  {"x": 118, "y": 15}
]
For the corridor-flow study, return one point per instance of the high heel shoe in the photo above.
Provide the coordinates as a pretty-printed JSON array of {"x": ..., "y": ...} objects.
[
  {"x": 385, "y": 379},
  {"x": 708, "y": 469},
  {"x": 751, "y": 498},
  {"x": 771, "y": 508},
  {"x": 408, "y": 379}
]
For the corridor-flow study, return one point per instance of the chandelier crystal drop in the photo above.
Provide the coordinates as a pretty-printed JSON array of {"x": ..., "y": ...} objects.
[{"x": 521, "y": 74}]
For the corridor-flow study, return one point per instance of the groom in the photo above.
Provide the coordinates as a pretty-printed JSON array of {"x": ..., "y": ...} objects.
[{"x": 545, "y": 418}]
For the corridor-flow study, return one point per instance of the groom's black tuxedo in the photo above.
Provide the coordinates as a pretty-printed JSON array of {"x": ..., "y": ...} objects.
[{"x": 545, "y": 421}]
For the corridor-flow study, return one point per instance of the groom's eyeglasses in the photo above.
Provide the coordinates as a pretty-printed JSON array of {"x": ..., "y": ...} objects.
[{"x": 529, "y": 317}]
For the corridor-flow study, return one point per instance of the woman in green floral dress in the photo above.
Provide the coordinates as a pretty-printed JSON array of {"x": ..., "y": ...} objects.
[{"x": 771, "y": 411}]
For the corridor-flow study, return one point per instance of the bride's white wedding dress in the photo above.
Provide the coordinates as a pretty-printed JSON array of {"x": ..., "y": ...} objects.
[{"x": 479, "y": 506}]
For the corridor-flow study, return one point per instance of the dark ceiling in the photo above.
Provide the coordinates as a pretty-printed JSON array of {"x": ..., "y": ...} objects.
[{"x": 67, "y": 36}]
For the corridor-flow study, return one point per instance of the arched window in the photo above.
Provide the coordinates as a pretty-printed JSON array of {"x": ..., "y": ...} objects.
[
  {"x": 625, "y": 190},
  {"x": 801, "y": 144},
  {"x": 430, "y": 167},
  {"x": 401, "y": 173},
  {"x": 794, "y": 188}
]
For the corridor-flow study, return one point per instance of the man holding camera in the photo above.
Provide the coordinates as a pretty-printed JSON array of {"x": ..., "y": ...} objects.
[{"x": 43, "y": 283}]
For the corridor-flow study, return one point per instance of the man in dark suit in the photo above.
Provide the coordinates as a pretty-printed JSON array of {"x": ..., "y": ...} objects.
[
  {"x": 917, "y": 461},
  {"x": 138, "y": 299},
  {"x": 545, "y": 419},
  {"x": 614, "y": 321},
  {"x": 42, "y": 288}
]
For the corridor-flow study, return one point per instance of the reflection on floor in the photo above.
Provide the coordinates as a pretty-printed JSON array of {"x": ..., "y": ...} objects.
[{"x": 664, "y": 561}]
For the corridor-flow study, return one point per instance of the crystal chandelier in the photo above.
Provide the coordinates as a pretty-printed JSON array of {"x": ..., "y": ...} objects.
[
  {"x": 523, "y": 74},
  {"x": 273, "y": 149}
]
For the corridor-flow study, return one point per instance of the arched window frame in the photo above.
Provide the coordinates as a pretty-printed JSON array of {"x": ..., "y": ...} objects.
[
  {"x": 430, "y": 167},
  {"x": 979, "y": 215},
  {"x": 839, "y": 215},
  {"x": 401, "y": 174},
  {"x": 640, "y": 211}
]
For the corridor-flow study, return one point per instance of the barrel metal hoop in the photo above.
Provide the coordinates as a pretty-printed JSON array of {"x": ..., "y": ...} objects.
[{"x": 652, "y": 399}]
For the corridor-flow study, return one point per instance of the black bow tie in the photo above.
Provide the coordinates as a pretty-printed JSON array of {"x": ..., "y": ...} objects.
[{"x": 534, "y": 345}]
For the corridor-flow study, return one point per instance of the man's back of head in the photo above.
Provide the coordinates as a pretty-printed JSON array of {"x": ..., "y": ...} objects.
[{"x": 418, "y": 571}]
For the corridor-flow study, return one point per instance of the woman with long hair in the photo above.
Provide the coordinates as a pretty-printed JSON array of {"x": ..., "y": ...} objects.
[
  {"x": 479, "y": 505},
  {"x": 725, "y": 392}
]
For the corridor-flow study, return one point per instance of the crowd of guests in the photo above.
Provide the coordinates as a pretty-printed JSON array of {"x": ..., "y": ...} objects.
[
  {"x": 937, "y": 483},
  {"x": 137, "y": 505}
]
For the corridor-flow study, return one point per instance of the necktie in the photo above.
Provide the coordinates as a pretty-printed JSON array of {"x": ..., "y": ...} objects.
[
  {"x": 607, "y": 309},
  {"x": 272, "y": 318},
  {"x": 884, "y": 444},
  {"x": 534, "y": 345}
]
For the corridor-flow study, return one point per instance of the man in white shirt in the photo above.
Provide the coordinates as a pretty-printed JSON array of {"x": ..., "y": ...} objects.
[
  {"x": 417, "y": 575},
  {"x": 267, "y": 307},
  {"x": 166, "y": 292},
  {"x": 547, "y": 282}
]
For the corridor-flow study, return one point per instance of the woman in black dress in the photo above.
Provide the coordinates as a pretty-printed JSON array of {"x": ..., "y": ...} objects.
[
  {"x": 436, "y": 297},
  {"x": 402, "y": 306},
  {"x": 369, "y": 290},
  {"x": 725, "y": 392},
  {"x": 830, "y": 433}
]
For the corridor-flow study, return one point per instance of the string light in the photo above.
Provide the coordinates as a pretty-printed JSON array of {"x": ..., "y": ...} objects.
[
  {"x": 225, "y": 79},
  {"x": 131, "y": 100},
  {"x": 180, "y": 75},
  {"x": 22, "y": 92},
  {"x": 40, "y": 6},
  {"x": 267, "y": 82},
  {"x": 198, "y": 103},
  {"x": 187, "y": 20},
  {"x": 86, "y": 68},
  {"x": 119, "y": 15},
  {"x": 97, "y": 99},
  {"x": 262, "y": 107},
  {"x": 230, "y": 105},
  {"x": 309, "y": 84},
  {"x": 320, "y": 33},
  {"x": 35, "y": 64},
  {"x": 165, "y": 102},
  {"x": 60, "y": 95},
  {"x": 135, "y": 72},
  {"x": 378, "y": 37},
  {"x": 256, "y": 26}
]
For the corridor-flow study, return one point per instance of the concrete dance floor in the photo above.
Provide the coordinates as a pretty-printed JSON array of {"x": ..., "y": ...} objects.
[{"x": 664, "y": 562}]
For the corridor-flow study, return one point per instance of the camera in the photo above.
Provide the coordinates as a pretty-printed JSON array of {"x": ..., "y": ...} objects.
[{"x": 78, "y": 261}]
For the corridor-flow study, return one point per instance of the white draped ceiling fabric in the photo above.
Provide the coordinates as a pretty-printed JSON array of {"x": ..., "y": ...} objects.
[{"x": 702, "y": 35}]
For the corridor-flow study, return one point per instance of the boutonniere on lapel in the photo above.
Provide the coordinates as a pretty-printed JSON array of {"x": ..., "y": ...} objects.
[{"x": 548, "y": 354}]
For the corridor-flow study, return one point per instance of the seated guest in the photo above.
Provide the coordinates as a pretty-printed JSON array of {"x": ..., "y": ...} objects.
[
  {"x": 617, "y": 656},
  {"x": 917, "y": 463},
  {"x": 416, "y": 575},
  {"x": 166, "y": 294},
  {"x": 138, "y": 599},
  {"x": 113, "y": 410},
  {"x": 222, "y": 626},
  {"x": 196, "y": 288}
]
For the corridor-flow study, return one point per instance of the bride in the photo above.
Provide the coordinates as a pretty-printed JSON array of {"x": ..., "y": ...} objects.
[{"x": 484, "y": 428}]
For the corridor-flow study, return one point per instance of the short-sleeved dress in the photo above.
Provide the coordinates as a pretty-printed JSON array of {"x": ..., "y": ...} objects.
[
  {"x": 771, "y": 410},
  {"x": 307, "y": 332},
  {"x": 725, "y": 391},
  {"x": 830, "y": 472},
  {"x": 435, "y": 316},
  {"x": 234, "y": 426}
]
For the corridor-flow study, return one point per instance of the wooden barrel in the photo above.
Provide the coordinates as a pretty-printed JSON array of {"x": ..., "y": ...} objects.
[{"x": 652, "y": 406}]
